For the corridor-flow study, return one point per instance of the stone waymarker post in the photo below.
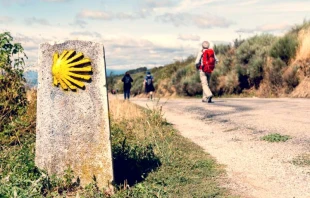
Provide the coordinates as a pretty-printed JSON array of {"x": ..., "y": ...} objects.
[{"x": 72, "y": 112}]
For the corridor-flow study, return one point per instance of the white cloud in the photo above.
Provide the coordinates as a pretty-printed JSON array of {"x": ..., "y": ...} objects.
[
  {"x": 274, "y": 27},
  {"x": 271, "y": 28},
  {"x": 20, "y": 2},
  {"x": 189, "y": 37},
  {"x": 246, "y": 30},
  {"x": 101, "y": 15},
  {"x": 200, "y": 21},
  {"x": 286, "y": 7},
  {"x": 34, "y": 20},
  {"x": 86, "y": 34},
  {"x": 30, "y": 45},
  {"x": 248, "y": 2},
  {"x": 127, "y": 53},
  {"x": 56, "y": 0},
  {"x": 151, "y": 5},
  {"x": 92, "y": 14},
  {"x": 78, "y": 22},
  {"x": 6, "y": 19},
  {"x": 158, "y": 4},
  {"x": 124, "y": 15},
  {"x": 188, "y": 5}
]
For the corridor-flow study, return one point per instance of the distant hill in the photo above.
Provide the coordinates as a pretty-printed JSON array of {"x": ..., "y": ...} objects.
[
  {"x": 31, "y": 78},
  {"x": 122, "y": 72},
  {"x": 115, "y": 72}
]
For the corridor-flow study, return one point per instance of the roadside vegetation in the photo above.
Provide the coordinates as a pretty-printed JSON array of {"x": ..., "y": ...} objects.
[
  {"x": 275, "y": 137},
  {"x": 263, "y": 65},
  {"x": 150, "y": 158}
]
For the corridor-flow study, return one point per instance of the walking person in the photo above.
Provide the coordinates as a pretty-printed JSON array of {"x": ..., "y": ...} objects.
[
  {"x": 205, "y": 63},
  {"x": 149, "y": 87},
  {"x": 127, "y": 85}
]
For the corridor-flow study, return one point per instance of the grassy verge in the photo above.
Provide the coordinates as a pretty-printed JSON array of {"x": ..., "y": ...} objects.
[
  {"x": 183, "y": 168},
  {"x": 150, "y": 160}
]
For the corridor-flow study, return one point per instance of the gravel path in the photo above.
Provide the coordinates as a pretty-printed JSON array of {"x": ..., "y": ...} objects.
[{"x": 230, "y": 130}]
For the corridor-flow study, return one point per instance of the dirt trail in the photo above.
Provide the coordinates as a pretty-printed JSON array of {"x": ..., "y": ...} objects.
[{"x": 230, "y": 130}]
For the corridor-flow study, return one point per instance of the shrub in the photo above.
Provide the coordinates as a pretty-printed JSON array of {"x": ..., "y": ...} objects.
[
  {"x": 214, "y": 82},
  {"x": 256, "y": 71},
  {"x": 245, "y": 53},
  {"x": 190, "y": 88},
  {"x": 285, "y": 48},
  {"x": 12, "y": 82},
  {"x": 298, "y": 27},
  {"x": 225, "y": 65},
  {"x": 274, "y": 74},
  {"x": 232, "y": 83},
  {"x": 291, "y": 79},
  {"x": 251, "y": 56},
  {"x": 179, "y": 75},
  {"x": 137, "y": 84},
  {"x": 221, "y": 49},
  {"x": 242, "y": 77},
  {"x": 257, "y": 45},
  {"x": 238, "y": 42},
  {"x": 111, "y": 80}
]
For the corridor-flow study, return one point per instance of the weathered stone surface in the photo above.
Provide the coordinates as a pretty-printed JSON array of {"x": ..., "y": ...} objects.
[{"x": 73, "y": 127}]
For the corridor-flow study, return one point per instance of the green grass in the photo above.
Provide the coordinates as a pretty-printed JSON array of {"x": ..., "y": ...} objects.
[
  {"x": 275, "y": 137},
  {"x": 184, "y": 169},
  {"x": 150, "y": 158}
]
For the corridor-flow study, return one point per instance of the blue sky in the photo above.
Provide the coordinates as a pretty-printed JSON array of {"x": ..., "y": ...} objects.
[{"x": 146, "y": 32}]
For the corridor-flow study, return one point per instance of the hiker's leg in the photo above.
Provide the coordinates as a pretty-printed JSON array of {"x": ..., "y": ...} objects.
[
  {"x": 151, "y": 93},
  {"x": 124, "y": 94},
  {"x": 128, "y": 94},
  {"x": 204, "y": 83},
  {"x": 209, "y": 92}
]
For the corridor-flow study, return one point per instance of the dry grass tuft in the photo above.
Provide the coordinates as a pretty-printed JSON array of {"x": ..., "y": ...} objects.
[
  {"x": 135, "y": 121},
  {"x": 302, "y": 90},
  {"x": 123, "y": 110},
  {"x": 303, "y": 52}
]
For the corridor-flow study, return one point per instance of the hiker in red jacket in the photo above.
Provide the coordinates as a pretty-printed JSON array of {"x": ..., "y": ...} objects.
[{"x": 205, "y": 63}]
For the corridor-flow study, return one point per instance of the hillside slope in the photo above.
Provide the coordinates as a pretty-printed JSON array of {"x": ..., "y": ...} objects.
[{"x": 263, "y": 66}]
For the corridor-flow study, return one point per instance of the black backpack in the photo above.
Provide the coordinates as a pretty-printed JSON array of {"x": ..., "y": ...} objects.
[
  {"x": 149, "y": 80},
  {"x": 127, "y": 79}
]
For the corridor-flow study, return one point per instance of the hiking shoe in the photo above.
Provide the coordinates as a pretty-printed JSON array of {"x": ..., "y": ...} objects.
[
  {"x": 210, "y": 99},
  {"x": 204, "y": 100}
]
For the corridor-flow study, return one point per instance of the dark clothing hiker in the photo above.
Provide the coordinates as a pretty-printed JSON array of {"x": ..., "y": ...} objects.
[{"x": 127, "y": 80}]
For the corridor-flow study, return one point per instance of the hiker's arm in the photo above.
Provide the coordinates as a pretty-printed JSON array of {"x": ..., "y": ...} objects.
[
  {"x": 198, "y": 60},
  {"x": 216, "y": 59}
]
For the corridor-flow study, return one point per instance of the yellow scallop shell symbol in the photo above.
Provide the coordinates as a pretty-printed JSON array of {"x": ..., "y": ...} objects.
[{"x": 69, "y": 68}]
